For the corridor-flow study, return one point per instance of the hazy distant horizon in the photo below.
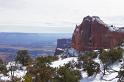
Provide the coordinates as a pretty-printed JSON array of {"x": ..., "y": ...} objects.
[
  {"x": 56, "y": 16},
  {"x": 36, "y": 32}
]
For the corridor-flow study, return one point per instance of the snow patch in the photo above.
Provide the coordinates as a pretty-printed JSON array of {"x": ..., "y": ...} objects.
[
  {"x": 61, "y": 62},
  {"x": 19, "y": 72}
]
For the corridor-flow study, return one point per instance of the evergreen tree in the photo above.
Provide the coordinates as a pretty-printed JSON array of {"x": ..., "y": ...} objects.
[
  {"x": 45, "y": 59},
  {"x": 109, "y": 57},
  {"x": 121, "y": 75},
  {"x": 28, "y": 78},
  {"x": 91, "y": 67},
  {"x": 3, "y": 68},
  {"x": 66, "y": 74},
  {"x": 23, "y": 57},
  {"x": 41, "y": 73},
  {"x": 87, "y": 55}
]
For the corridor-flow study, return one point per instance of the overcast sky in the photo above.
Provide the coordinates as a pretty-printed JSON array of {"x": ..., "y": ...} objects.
[{"x": 56, "y": 15}]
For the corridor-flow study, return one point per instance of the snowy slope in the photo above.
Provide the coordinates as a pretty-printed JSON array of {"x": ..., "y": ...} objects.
[
  {"x": 109, "y": 77},
  {"x": 61, "y": 62}
]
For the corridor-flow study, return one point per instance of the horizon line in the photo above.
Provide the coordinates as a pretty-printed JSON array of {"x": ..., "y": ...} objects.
[{"x": 41, "y": 32}]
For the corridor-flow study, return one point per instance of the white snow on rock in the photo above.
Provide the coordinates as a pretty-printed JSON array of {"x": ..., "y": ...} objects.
[
  {"x": 96, "y": 18},
  {"x": 61, "y": 62},
  {"x": 113, "y": 28},
  {"x": 60, "y": 49}
]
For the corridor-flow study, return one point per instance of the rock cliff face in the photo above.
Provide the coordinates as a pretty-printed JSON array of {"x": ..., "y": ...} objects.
[
  {"x": 93, "y": 34},
  {"x": 62, "y": 44}
]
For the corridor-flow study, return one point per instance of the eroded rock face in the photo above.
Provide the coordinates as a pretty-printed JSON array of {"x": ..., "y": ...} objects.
[
  {"x": 93, "y": 34},
  {"x": 62, "y": 44}
]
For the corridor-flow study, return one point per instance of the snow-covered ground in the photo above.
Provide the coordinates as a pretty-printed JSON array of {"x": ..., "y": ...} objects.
[
  {"x": 61, "y": 62},
  {"x": 20, "y": 72},
  {"x": 98, "y": 78},
  {"x": 109, "y": 77}
]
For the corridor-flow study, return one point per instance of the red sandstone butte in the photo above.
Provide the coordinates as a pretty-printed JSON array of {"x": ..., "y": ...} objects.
[{"x": 93, "y": 34}]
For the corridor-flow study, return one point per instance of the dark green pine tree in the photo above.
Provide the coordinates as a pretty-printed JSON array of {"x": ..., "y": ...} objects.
[{"x": 23, "y": 57}]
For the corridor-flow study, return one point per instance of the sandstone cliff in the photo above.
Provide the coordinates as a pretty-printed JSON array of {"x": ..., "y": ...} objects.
[{"x": 93, "y": 33}]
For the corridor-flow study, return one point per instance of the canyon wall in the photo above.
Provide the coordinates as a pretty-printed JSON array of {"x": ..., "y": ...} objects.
[{"x": 93, "y": 34}]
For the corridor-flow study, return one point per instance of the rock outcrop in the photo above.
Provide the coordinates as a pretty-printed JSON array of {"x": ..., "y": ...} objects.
[
  {"x": 62, "y": 44},
  {"x": 93, "y": 34}
]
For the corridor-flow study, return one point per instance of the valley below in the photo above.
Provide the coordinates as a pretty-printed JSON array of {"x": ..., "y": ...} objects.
[{"x": 37, "y": 44}]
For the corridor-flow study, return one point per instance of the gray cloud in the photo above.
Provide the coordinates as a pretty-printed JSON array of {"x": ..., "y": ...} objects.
[
  {"x": 56, "y": 13},
  {"x": 12, "y": 4}
]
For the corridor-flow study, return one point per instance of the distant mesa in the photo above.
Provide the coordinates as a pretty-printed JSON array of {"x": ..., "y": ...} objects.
[
  {"x": 93, "y": 34},
  {"x": 62, "y": 44}
]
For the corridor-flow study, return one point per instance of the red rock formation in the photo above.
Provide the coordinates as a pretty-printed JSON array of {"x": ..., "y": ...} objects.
[{"x": 93, "y": 33}]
